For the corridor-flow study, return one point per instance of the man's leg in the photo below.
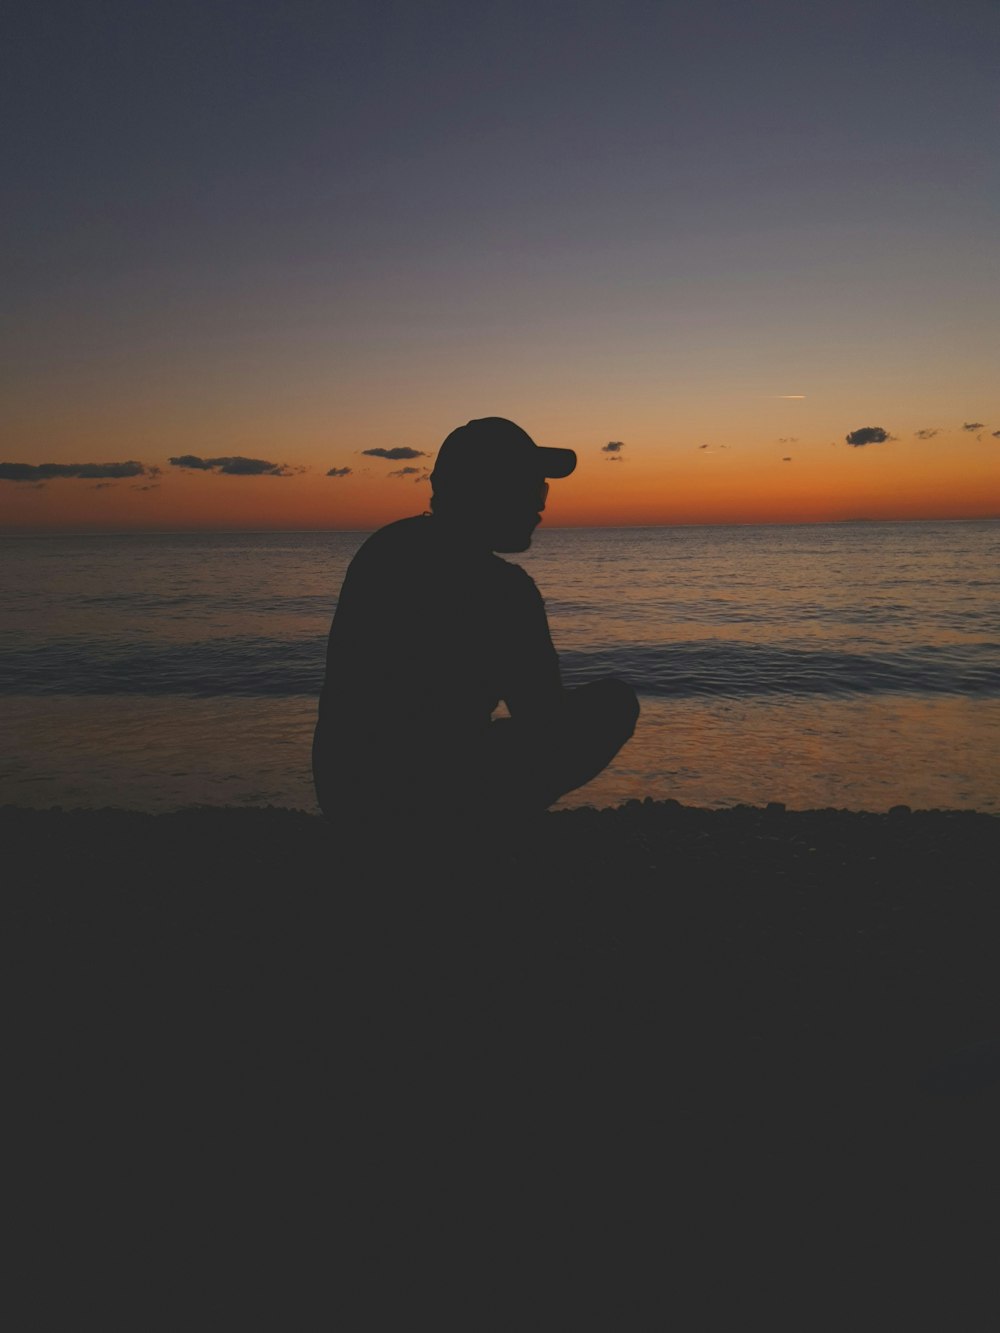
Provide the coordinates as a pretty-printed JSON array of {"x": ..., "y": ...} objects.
[
  {"x": 533, "y": 767},
  {"x": 521, "y": 767}
]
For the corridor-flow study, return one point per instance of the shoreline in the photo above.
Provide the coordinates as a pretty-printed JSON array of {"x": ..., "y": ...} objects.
[
  {"x": 657, "y": 805},
  {"x": 643, "y": 837}
]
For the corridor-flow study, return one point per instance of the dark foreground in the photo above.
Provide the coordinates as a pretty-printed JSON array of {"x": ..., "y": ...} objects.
[{"x": 719, "y": 1047}]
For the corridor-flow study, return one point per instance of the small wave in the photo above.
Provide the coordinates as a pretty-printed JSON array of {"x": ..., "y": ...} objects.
[
  {"x": 238, "y": 665},
  {"x": 714, "y": 667},
  {"x": 294, "y": 666}
]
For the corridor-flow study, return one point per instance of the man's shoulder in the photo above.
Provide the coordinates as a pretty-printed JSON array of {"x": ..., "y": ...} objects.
[
  {"x": 403, "y": 532},
  {"x": 515, "y": 578},
  {"x": 415, "y": 545},
  {"x": 405, "y": 539}
]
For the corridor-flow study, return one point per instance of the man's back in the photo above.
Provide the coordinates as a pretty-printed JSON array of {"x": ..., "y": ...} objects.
[{"x": 429, "y": 635}]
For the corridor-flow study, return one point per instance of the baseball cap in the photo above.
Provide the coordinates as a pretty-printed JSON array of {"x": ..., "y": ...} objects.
[{"x": 481, "y": 447}]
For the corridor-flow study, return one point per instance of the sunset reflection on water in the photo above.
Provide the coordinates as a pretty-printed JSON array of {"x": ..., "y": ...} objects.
[
  {"x": 869, "y": 753},
  {"x": 852, "y": 666}
]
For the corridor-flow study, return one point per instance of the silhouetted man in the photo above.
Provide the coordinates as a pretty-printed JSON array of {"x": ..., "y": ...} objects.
[{"x": 432, "y": 630}]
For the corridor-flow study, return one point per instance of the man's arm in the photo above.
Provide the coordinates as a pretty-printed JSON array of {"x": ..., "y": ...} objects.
[{"x": 535, "y": 685}]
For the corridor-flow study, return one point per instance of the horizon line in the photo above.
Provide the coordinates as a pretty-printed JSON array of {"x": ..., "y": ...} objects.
[{"x": 554, "y": 527}]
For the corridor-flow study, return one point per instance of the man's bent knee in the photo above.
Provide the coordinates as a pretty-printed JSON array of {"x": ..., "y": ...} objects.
[{"x": 617, "y": 704}]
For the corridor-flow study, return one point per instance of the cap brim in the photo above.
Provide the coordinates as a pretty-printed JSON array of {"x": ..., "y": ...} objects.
[{"x": 557, "y": 462}]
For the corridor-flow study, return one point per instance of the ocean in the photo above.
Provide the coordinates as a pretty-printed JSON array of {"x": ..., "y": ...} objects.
[{"x": 852, "y": 665}]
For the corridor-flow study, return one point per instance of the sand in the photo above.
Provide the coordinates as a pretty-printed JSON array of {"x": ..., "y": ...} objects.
[{"x": 650, "y": 1007}]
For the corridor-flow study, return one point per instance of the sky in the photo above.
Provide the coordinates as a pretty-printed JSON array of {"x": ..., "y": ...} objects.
[{"x": 751, "y": 247}]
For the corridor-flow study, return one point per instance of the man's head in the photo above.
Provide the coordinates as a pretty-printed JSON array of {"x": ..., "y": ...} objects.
[{"x": 490, "y": 478}]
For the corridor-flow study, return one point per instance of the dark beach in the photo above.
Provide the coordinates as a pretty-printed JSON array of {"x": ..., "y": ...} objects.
[{"x": 655, "y": 1006}]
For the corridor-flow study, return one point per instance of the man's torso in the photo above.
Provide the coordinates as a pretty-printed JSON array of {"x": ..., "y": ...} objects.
[{"x": 427, "y": 638}]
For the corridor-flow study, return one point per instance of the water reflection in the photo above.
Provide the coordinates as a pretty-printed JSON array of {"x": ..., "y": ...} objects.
[
  {"x": 869, "y": 753},
  {"x": 918, "y": 605}
]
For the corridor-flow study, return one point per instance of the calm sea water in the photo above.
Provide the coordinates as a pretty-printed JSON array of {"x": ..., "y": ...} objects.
[{"x": 852, "y": 665}]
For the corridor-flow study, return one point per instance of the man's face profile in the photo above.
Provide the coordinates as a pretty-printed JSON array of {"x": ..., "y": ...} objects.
[{"x": 511, "y": 511}]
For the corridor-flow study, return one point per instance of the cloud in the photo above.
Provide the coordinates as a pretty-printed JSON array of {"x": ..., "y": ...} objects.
[
  {"x": 339, "y": 472},
  {"x": 788, "y": 439},
  {"x": 973, "y": 425},
  {"x": 613, "y": 447},
  {"x": 786, "y": 460},
  {"x": 153, "y": 486},
  {"x": 395, "y": 455},
  {"x": 996, "y": 434},
  {"x": 233, "y": 466},
  {"x": 407, "y": 471},
  {"x": 867, "y": 435},
  {"x": 191, "y": 461},
  {"x": 251, "y": 467},
  {"x": 25, "y": 472},
  {"x": 702, "y": 446},
  {"x": 927, "y": 433},
  {"x": 104, "y": 486},
  {"x": 88, "y": 471}
]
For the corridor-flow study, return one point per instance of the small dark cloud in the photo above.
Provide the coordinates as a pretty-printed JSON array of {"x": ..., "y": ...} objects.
[
  {"x": 613, "y": 447},
  {"x": 702, "y": 446},
  {"x": 405, "y": 472},
  {"x": 88, "y": 471},
  {"x": 155, "y": 471},
  {"x": 192, "y": 462},
  {"x": 339, "y": 472},
  {"x": 231, "y": 466},
  {"x": 104, "y": 486},
  {"x": 153, "y": 486},
  {"x": 251, "y": 467},
  {"x": 788, "y": 439},
  {"x": 996, "y": 434},
  {"x": 786, "y": 460},
  {"x": 867, "y": 435},
  {"x": 927, "y": 433},
  {"x": 99, "y": 470},
  {"x": 395, "y": 455},
  {"x": 973, "y": 426},
  {"x": 20, "y": 472}
]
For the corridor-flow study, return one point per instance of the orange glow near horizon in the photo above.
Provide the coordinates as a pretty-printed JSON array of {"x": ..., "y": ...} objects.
[
  {"x": 634, "y": 492},
  {"x": 762, "y": 481}
]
